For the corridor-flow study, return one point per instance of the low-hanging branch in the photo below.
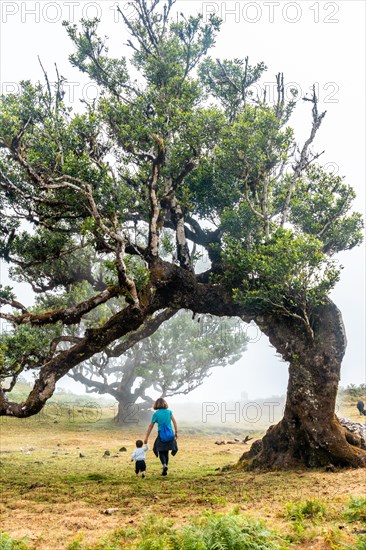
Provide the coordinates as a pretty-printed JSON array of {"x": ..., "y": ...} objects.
[
  {"x": 94, "y": 341},
  {"x": 68, "y": 316}
]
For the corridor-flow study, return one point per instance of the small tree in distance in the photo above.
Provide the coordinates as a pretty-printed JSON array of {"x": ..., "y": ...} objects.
[{"x": 175, "y": 359}]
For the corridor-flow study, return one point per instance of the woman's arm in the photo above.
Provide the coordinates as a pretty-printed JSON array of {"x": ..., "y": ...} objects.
[
  {"x": 149, "y": 429},
  {"x": 175, "y": 426}
]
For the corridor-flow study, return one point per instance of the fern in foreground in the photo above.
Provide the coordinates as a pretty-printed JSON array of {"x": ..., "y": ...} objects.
[
  {"x": 356, "y": 510},
  {"x": 8, "y": 543},
  {"x": 214, "y": 532}
]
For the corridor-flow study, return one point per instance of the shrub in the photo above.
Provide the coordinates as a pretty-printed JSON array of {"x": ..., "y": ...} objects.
[
  {"x": 7, "y": 543},
  {"x": 310, "y": 509},
  {"x": 213, "y": 532},
  {"x": 360, "y": 544},
  {"x": 356, "y": 510},
  {"x": 156, "y": 534}
]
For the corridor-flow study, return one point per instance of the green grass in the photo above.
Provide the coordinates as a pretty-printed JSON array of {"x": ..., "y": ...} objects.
[
  {"x": 309, "y": 510},
  {"x": 304, "y": 515},
  {"x": 356, "y": 509},
  {"x": 52, "y": 485},
  {"x": 210, "y": 532},
  {"x": 360, "y": 544},
  {"x": 7, "y": 543}
]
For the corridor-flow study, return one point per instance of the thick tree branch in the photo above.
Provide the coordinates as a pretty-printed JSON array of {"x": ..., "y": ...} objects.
[
  {"x": 150, "y": 326},
  {"x": 94, "y": 385},
  {"x": 14, "y": 304},
  {"x": 183, "y": 253},
  {"x": 264, "y": 205},
  {"x": 56, "y": 341},
  {"x": 123, "y": 279},
  {"x": 156, "y": 221},
  {"x": 67, "y": 316},
  {"x": 94, "y": 341}
]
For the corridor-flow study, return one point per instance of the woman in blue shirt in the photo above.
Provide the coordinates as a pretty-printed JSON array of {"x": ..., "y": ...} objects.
[{"x": 163, "y": 415}]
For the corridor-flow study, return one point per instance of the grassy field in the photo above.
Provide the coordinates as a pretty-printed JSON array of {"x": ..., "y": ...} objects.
[{"x": 54, "y": 498}]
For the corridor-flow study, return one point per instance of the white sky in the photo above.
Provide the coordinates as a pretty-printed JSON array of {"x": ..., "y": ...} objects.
[{"x": 311, "y": 42}]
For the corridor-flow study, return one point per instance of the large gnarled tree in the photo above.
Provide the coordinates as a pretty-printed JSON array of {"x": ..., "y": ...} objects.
[{"x": 186, "y": 151}]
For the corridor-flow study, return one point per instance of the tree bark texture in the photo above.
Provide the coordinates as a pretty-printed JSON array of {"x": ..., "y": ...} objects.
[{"x": 309, "y": 433}]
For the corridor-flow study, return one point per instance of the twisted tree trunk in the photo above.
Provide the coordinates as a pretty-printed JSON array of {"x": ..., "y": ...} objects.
[{"x": 309, "y": 433}]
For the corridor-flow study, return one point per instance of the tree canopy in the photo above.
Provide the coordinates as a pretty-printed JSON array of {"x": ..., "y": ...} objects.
[{"x": 105, "y": 212}]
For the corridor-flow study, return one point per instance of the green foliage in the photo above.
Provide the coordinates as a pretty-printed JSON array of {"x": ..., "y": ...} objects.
[
  {"x": 320, "y": 206},
  {"x": 111, "y": 72},
  {"x": 360, "y": 544},
  {"x": 244, "y": 153},
  {"x": 3, "y": 350},
  {"x": 25, "y": 348},
  {"x": 356, "y": 509},
  {"x": 287, "y": 273},
  {"x": 176, "y": 359},
  {"x": 353, "y": 390},
  {"x": 230, "y": 532},
  {"x": 214, "y": 532},
  {"x": 6, "y": 292},
  {"x": 313, "y": 510},
  {"x": 167, "y": 60},
  {"x": 8, "y": 543},
  {"x": 139, "y": 271},
  {"x": 211, "y": 532},
  {"x": 230, "y": 80},
  {"x": 49, "y": 259},
  {"x": 181, "y": 353},
  {"x": 156, "y": 534},
  {"x": 167, "y": 244}
]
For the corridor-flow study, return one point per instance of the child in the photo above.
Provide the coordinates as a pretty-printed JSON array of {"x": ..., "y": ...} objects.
[
  {"x": 163, "y": 415},
  {"x": 139, "y": 455}
]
